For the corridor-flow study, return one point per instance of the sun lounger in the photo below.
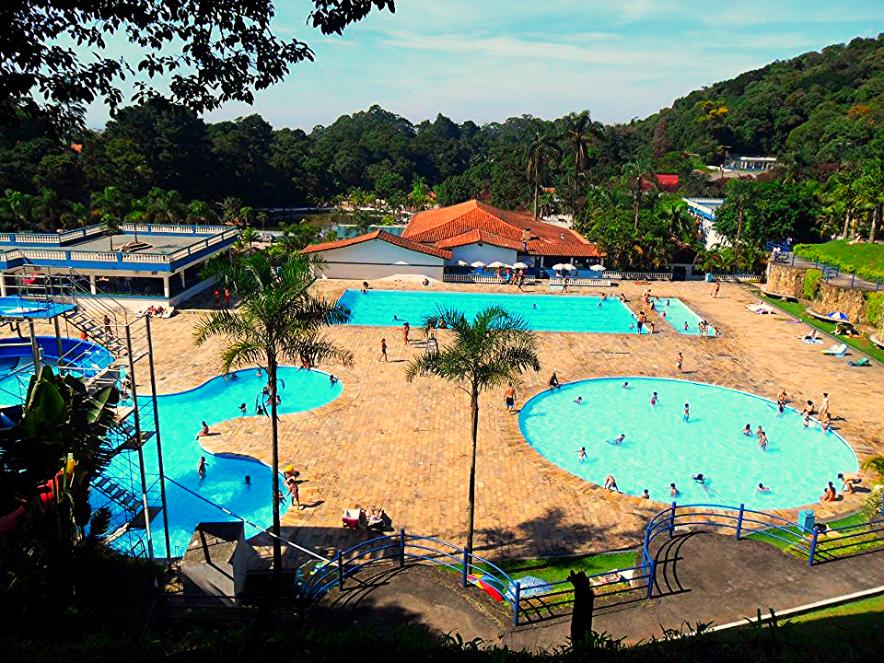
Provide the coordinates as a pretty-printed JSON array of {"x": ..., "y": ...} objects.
[
  {"x": 836, "y": 350},
  {"x": 860, "y": 362}
]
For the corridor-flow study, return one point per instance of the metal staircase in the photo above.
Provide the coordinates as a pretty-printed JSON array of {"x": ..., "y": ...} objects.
[{"x": 104, "y": 321}]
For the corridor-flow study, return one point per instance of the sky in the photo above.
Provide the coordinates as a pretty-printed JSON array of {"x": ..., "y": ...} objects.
[{"x": 487, "y": 60}]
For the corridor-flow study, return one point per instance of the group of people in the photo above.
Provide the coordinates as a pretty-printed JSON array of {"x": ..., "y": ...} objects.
[{"x": 216, "y": 297}]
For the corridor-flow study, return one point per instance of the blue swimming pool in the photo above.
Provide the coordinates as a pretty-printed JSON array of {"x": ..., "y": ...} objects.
[
  {"x": 27, "y": 308},
  {"x": 81, "y": 358},
  {"x": 677, "y": 313},
  {"x": 541, "y": 312},
  {"x": 216, "y": 401},
  {"x": 660, "y": 447}
]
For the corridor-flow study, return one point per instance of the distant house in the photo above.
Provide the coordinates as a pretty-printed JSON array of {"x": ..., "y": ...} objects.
[
  {"x": 456, "y": 236},
  {"x": 750, "y": 164},
  {"x": 705, "y": 211},
  {"x": 667, "y": 182}
]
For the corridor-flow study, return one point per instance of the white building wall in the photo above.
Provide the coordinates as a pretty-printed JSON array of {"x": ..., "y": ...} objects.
[
  {"x": 470, "y": 253},
  {"x": 377, "y": 259}
]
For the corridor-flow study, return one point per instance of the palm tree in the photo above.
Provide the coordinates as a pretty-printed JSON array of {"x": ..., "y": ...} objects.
[
  {"x": 538, "y": 155},
  {"x": 870, "y": 193},
  {"x": 674, "y": 214},
  {"x": 278, "y": 319},
  {"x": 578, "y": 132},
  {"x": 635, "y": 173},
  {"x": 199, "y": 211},
  {"x": 109, "y": 207},
  {"x": 246, "y": 238},
  {"x": 491, "y": 350}
]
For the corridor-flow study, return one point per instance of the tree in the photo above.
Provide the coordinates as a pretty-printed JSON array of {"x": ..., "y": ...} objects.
[
  {"x": 278, "y": 319},
  {"x": 673, "y": 213},
  {"x": 578, "y": 130},
  {"x": 208, "y": 53},
  {"x": 109, "y": 207},
  {"x": 538, "y": 156},
  {"x": 491, "y": 350},
  {"x": 200, "y": 212},
  {"x": 635, "y": 174}
]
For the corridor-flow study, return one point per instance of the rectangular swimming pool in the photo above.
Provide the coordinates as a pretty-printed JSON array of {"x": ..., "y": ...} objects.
[
  {"x": 677, "y": 313},
  {"x": 390, "y": 308}
]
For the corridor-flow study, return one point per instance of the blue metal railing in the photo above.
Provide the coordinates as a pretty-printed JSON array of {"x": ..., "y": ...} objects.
[{"x": 743, "y": 522}]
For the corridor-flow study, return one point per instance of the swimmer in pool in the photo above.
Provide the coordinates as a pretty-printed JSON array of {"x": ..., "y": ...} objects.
[
  {"x": 611, "y": 483},
  {"x": 673, "y": 491},
  {"x": 581, "y": 454},
  {"x": 762, "y": 488},
  {"x": 687, "y": 412},
  {"x": 645, "y": 494},
  {"x": 617, "y": 441},
  {"x": 699, "y": 478},
  {"x": 626, "y": 385},
  {"x": 578, "y": 400},
  {"x": 242, "y": 408},
  {"x": 806, "y": 420},
  {"x": 747, "y": 431},
  {"x": 654, "y": 399},
  {"x": 685, "y": 326}
]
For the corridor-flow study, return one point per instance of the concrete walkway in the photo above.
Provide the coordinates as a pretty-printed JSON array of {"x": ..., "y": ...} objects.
[{"x": 702, "y": 578}]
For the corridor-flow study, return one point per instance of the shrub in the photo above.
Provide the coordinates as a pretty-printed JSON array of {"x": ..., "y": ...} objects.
[
  {"x": 812, "y": 283},
  {"x": 875, "y": 307}
]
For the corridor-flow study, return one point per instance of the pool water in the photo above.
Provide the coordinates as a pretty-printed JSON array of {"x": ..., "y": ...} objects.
[
  {"x": 540, "y": 312},
  {"x": 661, "y": 448},
  {"x": 678, "y": 313},
  {"x": 216, "y": 401}
]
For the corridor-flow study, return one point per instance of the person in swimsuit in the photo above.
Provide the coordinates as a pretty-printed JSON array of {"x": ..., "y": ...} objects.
[
  {"x": 248, "y": 481},
  {"x": 640, "y": 322},
  {"x": 578, "y": 400},
  {"x": 824, "y": 409},
  {"x": 406, "y": 330},
  {"x": 808, "y": 408},
  {"x": 611, "y": 483},
  {"x": 679, "y": 362},
  {"x": 242, "y": 408},
  {"x": 687, "y": 412},
  {"x": 201, "y": 468},
  {"x": 553, "y": 382},
  {"x": 762, "y": 438},
  {"x": 654, "y": 399},
  {"x": 685, "y": 325},
  {"x": 829, "y": 494},
  {"x": 699, "y": 478},
  {"x": 510, "y": 398},
  {"x": 383, "y": 350},
  {"x": 645, "y": 494},
  {"x": 204, "y": 430},
  {"x": 747, "y": 431},
  {"x": 673, "y": 491},
  {"x": 626, "y": 385},
  {"x": 581, "y": 454},
  {"x": 848, "y": 483},
  {"x": 762, "y": 488}
]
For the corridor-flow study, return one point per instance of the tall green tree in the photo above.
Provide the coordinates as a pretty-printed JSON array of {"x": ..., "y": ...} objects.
[
  {"x": 109, "y": 207},
  {"x": 635, "y": 173},
  {"x": 539, "y": 155},
  {"x": 278, "y": 319},
  {"x": 491, "y": 350}
]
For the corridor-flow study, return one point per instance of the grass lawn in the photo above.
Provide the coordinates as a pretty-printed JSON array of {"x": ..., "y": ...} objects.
[
  {"x": 864, "y": 260},
  {"x": 872, "y": 607},
  {"x": 796, "y": 309},
  {"x": 554, "y": 570},
  {"x": 860, "y": 541}
]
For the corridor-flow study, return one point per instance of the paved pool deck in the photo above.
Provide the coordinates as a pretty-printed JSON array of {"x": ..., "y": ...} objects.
[{"x": 405, "y": 446}]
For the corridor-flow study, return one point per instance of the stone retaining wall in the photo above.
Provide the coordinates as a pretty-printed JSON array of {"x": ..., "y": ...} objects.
[{"x": 787, "y": 280}]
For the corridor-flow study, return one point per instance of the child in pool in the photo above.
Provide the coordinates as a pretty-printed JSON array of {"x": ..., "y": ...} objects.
[
  {"x": 747, "y": 431},
  {"x": 654, "y": 398},
  {"x": 687, "y": 412}
]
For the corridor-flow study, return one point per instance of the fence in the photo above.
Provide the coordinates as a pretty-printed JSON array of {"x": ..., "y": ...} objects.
[{"x": 822, "y": 544}]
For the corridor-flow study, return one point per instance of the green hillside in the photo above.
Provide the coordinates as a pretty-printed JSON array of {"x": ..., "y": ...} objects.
[{"x": 817, "y": 108}]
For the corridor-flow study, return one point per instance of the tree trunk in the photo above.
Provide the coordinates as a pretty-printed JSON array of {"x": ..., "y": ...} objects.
[
  {"x": 536, "y": 188},
  {"x": 637, "y": 202},
  {"x": 274, "y": 440},
  {"x": 471, "y": 509},
  {"x": 846, "y": 231},
  {"x": 874, "y": 229}
]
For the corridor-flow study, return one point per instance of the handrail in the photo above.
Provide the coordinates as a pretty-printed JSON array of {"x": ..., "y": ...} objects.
[{"x": 249, "y": 522}]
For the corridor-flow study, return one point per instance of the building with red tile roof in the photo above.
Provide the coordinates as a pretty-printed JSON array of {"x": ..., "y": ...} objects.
[{"x": 456, "y": 236}]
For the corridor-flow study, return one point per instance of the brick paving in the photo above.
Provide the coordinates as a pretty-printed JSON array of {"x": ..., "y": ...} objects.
[{"x": 405, "y": 446}]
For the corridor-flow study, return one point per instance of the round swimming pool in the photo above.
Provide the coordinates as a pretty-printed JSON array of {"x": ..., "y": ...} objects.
[{"x": 661, "y": 447}]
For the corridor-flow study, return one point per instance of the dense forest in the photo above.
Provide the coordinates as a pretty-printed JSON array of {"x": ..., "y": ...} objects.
[{"x": 821, "y": 114}]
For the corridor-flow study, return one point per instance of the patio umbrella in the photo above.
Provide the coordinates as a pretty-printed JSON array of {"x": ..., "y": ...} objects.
[
  {"x": 597, "y": 268},
  {"x": 496, "y": 263},
  {"x": 838, "y": 315},
  {"x": 568, "y": 266},
  {"x": 478, "y": 264},
  {"x": 462, "y": 263},
  {"x": 558, "y": 266},
  {"x": 520, "y": 265}
]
